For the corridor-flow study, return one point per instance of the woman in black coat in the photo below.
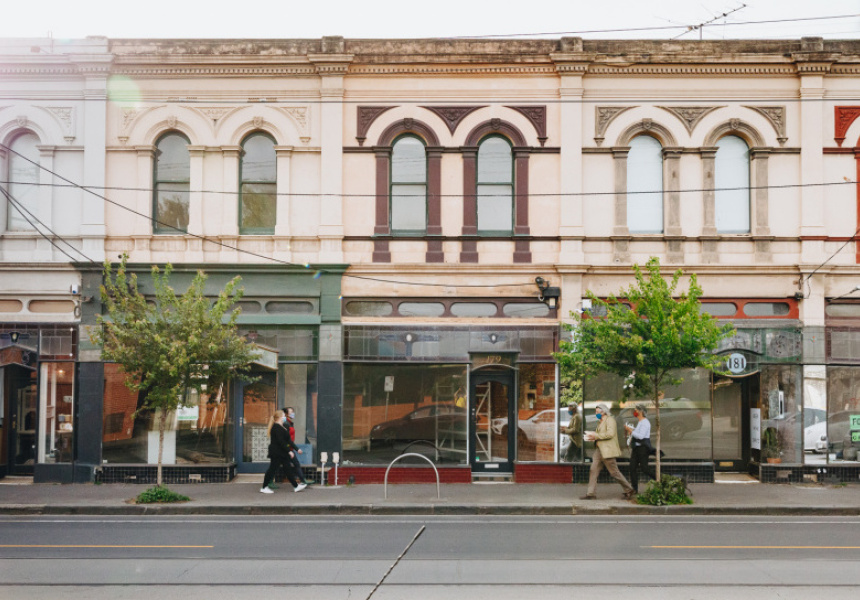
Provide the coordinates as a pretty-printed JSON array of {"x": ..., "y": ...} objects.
[{"x": 281, "y": 452}]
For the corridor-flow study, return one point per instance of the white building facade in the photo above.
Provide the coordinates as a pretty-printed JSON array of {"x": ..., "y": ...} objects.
[{"x": 390, "y": 205}]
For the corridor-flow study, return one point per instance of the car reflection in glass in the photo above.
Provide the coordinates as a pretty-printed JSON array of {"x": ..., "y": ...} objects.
[{"x": 427, "y": 423}]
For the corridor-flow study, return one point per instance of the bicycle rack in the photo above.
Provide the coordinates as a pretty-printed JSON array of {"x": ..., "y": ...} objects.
[{"x": 438, "y": 487}]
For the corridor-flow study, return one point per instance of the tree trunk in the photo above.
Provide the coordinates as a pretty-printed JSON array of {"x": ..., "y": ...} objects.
[
  {"x": 162, "y": 422},
  {"x": 657, "y": 422}
]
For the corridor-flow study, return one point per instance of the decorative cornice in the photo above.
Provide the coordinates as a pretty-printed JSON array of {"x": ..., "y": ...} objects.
[
  {"x": 813, "y": 68},
  {"x": 176, "y": 71},
  {"x": 365, "y": 116},
  {"x": 690, "y": 115},
  {"x": 424, "y": 69},
  {"x": 537, "y": 116},
  {"x": 692, "y": 70},
  {"x": 776, "y": 116},
  {"x": 603, "y": 116},
  {"x": 453, "y": 115},
  {"x": 845, "y": 116}
]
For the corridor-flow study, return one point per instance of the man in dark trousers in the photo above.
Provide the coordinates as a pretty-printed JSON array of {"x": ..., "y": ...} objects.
[{"x": 291, "y": 426}]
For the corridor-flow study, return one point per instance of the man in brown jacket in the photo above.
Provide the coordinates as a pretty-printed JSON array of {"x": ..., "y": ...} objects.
[{"x": 606, "y": 437}]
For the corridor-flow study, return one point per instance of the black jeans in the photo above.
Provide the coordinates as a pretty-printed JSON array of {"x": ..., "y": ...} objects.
[
  {"x": 285, "y": 466},
  {"x": 639, "y": 464}
]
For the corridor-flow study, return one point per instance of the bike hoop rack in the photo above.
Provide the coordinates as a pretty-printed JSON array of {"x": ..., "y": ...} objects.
[{"x": 438, "y": 487}]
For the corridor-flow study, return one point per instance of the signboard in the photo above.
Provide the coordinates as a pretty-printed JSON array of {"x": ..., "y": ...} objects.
[
  {"x": 755, "y": 428},
  {"x": 187, "y": 413},
  {"x": 266, "y": 357},
  {"x": 854, "y": 421},
  {"x": 389, "y": 383},
  {"x": 736, "y": 363},
  {"x": 855, "y": 436}
]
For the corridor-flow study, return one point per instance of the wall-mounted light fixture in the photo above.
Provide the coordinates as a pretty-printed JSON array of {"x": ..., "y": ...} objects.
[
  {"x": 409, "y": 338},
  {"x": 547, "y": 294}
]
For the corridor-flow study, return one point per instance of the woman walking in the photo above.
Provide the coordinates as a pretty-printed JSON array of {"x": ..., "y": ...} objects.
[
  {"x": 281, "y": 452},
  {"x": 640, "y": 445}
]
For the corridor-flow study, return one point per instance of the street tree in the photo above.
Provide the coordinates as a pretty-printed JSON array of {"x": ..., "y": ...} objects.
[
  {"x": 646, "y": 335},
  {"x": 170, "y": 344}
]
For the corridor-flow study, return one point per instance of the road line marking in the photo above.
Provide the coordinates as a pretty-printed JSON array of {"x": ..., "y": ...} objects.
[
  {"x": 90, "y": 546},
  {"x": 757, "y": 547}
]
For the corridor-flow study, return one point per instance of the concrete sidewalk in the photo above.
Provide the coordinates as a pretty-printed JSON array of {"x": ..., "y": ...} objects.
[{"x": 735, "y": 495}]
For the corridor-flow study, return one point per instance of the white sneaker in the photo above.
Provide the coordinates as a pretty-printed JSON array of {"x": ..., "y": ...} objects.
[
  {"x": 300, "y": 487},
  {"x": 266, "y": 490}
]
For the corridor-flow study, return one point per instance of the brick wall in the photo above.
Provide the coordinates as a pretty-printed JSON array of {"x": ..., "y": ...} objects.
[
  {"x": 543, "y": 473},
  {"x": 404, "y": 475}
]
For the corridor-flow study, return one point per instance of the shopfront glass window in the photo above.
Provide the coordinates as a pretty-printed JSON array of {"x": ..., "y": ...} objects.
[
  {"x": 391, "y": 409},
  {"x": 843, "y": 414},
  {"x": 781, "y": 417},
  {"x": 199, "y": 432},
  {"x": 56, "y": 409},
  {"x": 537, "y": 427},
  {"x": 298, "y": 383},
  {"x": 815, "y": 414},
  {"x": 685, "y": 414}
]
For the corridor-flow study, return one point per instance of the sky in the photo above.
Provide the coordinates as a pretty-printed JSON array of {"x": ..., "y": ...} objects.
[{"x": 63, "y": 19}]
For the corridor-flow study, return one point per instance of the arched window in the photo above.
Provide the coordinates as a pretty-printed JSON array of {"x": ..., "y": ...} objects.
[
  {"x": 258, "y": 193},
  {"x": 23, "y": 182},
  {"x": 495, "y": 186},
  {"x": 732, "y": 184},
  {"x": 408, "y": 186},
  {"x": 172, "y": 184},
  {"x": 645, "y": 185}
]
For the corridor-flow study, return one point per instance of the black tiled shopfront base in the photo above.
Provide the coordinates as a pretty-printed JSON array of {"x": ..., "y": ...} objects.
[
  {"x": 147, "y": 474},
  {"x": 832, "y": 474},
  {"x": 694, "y": 472}
]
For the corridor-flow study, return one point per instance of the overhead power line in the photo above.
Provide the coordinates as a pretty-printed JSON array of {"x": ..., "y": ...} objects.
[
  {"x": 784, "y": 186},
  {"x": 217, "y": 242}
]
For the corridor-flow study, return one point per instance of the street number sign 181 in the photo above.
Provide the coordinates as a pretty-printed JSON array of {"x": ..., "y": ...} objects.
[{"x": 736, "y": 363}]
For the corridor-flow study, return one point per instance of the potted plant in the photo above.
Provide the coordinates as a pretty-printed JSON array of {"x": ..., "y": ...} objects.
[{"x": 771, "y": 445}]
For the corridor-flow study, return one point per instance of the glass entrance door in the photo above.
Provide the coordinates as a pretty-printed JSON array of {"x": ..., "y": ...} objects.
[
  {"x": 731, "y": 414},
  {"x": 492, "y": 424},
  {"x": 255, "y": 403},
  {"x": 19, "y": 397}
]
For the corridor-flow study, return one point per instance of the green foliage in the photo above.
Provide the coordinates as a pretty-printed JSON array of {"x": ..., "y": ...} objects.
[
  {"x": 646, "y": 334},
  {"x": 160, "y": 494},
  {"x": 170, "y": 344},
  {"x": 669, "y": 490}
]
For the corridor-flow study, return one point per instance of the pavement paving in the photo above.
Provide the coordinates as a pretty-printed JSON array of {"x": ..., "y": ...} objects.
[{"x": 734, "y": 495}]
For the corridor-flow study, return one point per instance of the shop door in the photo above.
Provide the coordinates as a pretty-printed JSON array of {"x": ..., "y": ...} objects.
[
  {"x": 19, "y": 399},
  {"x": 492, "y": 425},
  {"x": 731, "y": 421},
  {"x": 255, "y": 403}
]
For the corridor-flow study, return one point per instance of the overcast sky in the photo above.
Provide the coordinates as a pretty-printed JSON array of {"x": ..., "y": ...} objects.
[{"x": 411, "y": 19}]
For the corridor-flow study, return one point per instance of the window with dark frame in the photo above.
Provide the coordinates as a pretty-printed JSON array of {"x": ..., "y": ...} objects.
[
  {"x": 172, "y": 184},
  {"x": 258, "y": 185},
  {"x": 408, "y": 186},
  {"x": 495, "y": 186}
]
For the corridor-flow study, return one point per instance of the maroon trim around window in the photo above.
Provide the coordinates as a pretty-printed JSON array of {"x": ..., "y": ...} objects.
[
  {"x": 469, "y": 248},
  {"x": 381, "y": 247}
]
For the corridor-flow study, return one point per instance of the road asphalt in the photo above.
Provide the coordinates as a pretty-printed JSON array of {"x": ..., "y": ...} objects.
[{"x": 730, "y": 495}]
